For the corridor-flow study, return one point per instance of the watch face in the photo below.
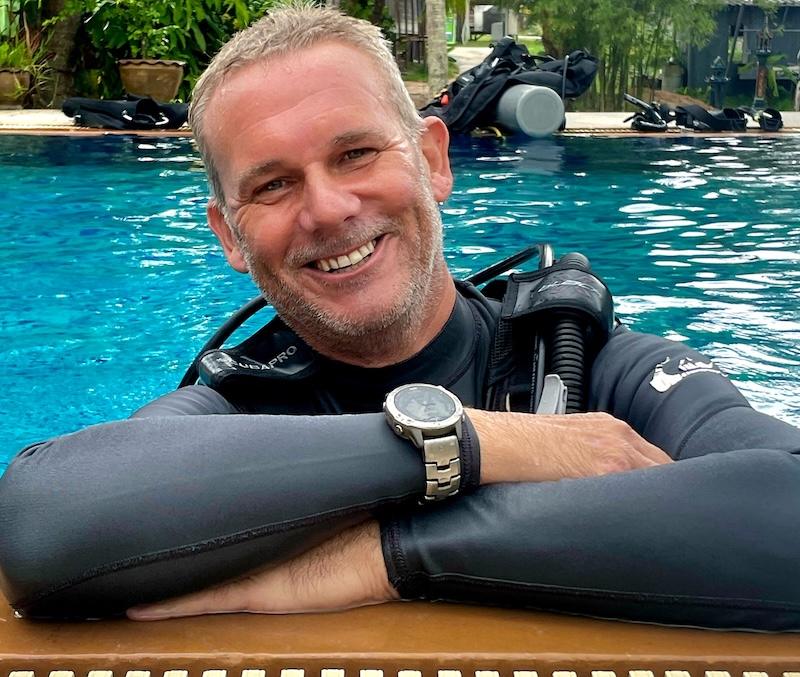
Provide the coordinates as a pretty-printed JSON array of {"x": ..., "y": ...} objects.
[{"x": 425, "y": 403}]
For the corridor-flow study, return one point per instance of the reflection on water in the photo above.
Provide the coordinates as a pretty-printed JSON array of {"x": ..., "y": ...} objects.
[{"x": 115, "y": 280}]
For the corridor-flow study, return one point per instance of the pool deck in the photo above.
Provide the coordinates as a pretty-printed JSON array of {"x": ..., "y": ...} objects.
[{"x": 48, "y": 121}]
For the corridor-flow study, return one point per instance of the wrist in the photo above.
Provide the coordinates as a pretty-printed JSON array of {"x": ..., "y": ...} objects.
[{"x": 501, "y": 435}]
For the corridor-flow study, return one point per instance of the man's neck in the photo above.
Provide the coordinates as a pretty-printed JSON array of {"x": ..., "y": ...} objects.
[{"x": 406, "y": 337}]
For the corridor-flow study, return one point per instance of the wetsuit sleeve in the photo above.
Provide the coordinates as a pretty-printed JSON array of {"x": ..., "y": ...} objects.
[
  {"x": 707, "y": 541},
  {"x": 160, "y": 504},
  {"x": 188, "y": 401}
]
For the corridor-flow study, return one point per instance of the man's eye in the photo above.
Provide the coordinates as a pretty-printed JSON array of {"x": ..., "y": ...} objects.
[
  {"x": 275, "y": 184},
  {"x": 358, "y": 153}
]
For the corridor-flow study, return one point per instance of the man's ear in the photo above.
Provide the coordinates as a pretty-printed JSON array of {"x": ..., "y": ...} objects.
[
  {"x": 435, "y": 145},
  {"x": 217, "y": 223}
]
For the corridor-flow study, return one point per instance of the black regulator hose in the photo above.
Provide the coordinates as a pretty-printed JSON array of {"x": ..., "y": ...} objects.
[{"x": 567, "y": 353}]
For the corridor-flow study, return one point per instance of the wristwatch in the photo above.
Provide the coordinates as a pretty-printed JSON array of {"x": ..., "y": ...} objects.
[{"x": 431, "y": 417}]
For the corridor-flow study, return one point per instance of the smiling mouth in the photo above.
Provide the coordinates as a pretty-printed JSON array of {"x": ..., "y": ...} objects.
[{"x": 344, "y": 262}]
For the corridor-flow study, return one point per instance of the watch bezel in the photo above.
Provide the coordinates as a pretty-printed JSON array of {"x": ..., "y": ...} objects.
[{"x": 426, "y": 427}]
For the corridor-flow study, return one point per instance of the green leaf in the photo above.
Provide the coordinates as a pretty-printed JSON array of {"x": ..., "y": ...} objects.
[{"x": 199, "y": 37}]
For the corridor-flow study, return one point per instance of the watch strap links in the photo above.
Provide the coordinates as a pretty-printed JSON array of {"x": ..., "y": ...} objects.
[{"x": 442, "y": 467}]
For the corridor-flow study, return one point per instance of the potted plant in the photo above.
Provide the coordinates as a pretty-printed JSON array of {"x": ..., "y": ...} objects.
[
  {"x": 15, "y": 76},
  {"x": 146, "y": 31},
  {"x": 21, "y": 53}
]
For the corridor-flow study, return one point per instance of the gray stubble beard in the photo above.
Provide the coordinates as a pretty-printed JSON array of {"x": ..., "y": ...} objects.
[{"x": 388, "y": 334}]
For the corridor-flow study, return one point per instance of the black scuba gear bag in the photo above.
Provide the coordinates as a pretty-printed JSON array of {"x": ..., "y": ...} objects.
[
  {"x": 134, "y": 112},
  {"x": 470, "y": 100},
  {"x": 698, "y": 118}
]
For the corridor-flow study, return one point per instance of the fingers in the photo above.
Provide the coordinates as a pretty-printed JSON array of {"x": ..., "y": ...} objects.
[
  {"x": 618, "y": 434},
  {"x": 656, "y": 455}
]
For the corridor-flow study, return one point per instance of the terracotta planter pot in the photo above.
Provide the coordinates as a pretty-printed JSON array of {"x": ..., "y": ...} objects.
[
  {"x": 159, "y": 78},
  {"x": 14, "y": 84}
]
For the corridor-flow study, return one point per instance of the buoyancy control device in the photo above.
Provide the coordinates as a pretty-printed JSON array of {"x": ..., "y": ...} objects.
[{"x": 552, "y": 324}]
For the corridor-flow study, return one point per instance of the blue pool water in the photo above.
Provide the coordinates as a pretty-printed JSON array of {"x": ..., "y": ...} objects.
[{"x": 112, "y": 281}]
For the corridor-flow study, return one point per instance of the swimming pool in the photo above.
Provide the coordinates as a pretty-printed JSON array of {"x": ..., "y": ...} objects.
[{"x": 113, "y": 280}]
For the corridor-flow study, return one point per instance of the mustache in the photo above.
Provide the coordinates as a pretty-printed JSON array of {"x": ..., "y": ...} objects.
[{"x": 329, "y": 247}]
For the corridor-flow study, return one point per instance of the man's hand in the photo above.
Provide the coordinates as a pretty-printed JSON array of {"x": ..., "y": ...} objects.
[
  {"x": 346, "y": 571},
  {"x": 536, "y": 448}
]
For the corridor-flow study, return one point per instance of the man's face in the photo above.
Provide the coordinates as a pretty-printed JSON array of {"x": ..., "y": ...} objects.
[{"x": 334, "y": 207}]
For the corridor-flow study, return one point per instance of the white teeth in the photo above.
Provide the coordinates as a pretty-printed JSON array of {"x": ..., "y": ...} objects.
[{"x": 355, "y": 256}]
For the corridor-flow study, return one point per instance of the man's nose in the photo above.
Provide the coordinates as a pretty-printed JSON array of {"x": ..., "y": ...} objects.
[{"x": 328, "y": 201}]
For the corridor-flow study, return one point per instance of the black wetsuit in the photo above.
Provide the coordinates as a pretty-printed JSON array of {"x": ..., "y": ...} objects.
[{"x": 178, "y": 496}]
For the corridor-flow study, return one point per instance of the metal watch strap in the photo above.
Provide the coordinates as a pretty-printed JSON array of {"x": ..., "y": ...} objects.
[{"x": 442, "y": 467}]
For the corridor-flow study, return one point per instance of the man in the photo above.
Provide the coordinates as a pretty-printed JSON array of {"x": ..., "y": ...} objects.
[{"x": 325, "y": 185}]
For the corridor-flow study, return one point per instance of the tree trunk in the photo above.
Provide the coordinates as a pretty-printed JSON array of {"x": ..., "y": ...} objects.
[
  {"x": 548, "y": 39},
  {"x": 436, "y": 52},
  {"x": 376, "y": 17},
  {"x": 462, "y": 22},
  {"x": 61, "y": 43}
]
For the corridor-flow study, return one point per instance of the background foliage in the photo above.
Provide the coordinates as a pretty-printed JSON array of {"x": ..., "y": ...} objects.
[
  {"x": 187, "y": 30},
  {"x": 84, "y": 38},
  {"x": 632, "y": 38},
  {"x": 23, "y": 44}
]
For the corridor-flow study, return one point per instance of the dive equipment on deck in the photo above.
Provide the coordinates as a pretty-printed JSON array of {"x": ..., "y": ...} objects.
[
  {"x": 134, "y": 112},
  {"x": 699, "y": 119},
  {"x": 431, "y": 418},
  {"x": 533, "y": 110},
  {"x": 648, "y": 118},
  {"x": 653, "y": 117},
  {"x": 471, "y": 100}
]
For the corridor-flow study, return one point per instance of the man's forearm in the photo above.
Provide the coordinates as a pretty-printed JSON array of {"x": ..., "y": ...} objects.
[
  {"x": 706, "y": 542},
  {"x": 144, "y": 509},
  {"x": 346, "y": 571}
]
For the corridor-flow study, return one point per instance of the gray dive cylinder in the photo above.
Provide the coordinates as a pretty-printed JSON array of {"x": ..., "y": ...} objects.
[{"x": 530, "y": 109}]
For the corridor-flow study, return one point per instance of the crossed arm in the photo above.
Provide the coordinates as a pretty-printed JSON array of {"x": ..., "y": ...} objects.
[
  {"x": 98, "y": 521},
  {"x": 349, "y": 571}
]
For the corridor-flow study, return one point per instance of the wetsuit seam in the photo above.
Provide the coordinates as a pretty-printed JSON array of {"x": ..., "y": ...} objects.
[
  {"x": 205, "y": 546},
  {"x": 701, "y": 422},
  {"x": 591, "y": 593}
]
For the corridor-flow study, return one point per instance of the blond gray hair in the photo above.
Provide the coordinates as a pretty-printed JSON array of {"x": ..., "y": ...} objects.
[{"x": 293, "y": 27}]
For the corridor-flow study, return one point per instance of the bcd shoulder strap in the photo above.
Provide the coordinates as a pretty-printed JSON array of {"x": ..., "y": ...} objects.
[
  {"x": 553, "y": 321},
  {"x": 273, "y": 353}
]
